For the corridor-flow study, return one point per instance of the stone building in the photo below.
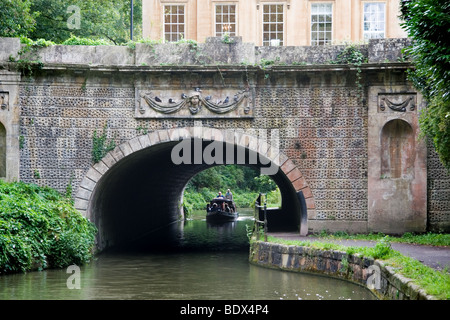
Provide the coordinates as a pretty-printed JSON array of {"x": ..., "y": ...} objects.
[{"x": 272, "y": 22}]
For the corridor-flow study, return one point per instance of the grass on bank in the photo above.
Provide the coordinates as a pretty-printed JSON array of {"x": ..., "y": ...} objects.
[
  {"x": 434, "y": 282},
  {"x": 40, "y": 228},
  {"x": 429, "y": 238}
]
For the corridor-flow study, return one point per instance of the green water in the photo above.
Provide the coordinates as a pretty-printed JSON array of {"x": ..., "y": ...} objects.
[{"x": 207, "y": 262}]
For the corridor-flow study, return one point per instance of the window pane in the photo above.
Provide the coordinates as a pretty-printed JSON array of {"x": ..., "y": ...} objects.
[
  {"x": 225, "y": 20},
  {"x": 374, "y": 20},
  {"x": 173, "y": 22},
  {"x": 273, "y": 23},
  {"x": 321, "y": 23}
]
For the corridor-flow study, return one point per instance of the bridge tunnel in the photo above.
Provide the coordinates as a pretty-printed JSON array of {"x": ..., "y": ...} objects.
[{"x": 141, "y": 194}]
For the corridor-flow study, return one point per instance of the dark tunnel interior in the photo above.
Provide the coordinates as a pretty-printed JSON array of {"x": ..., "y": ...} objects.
[{"x": 142, "y": 193}]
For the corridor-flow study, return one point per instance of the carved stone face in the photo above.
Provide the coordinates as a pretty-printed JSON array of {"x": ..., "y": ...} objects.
[{"x": 194, "y": 103}]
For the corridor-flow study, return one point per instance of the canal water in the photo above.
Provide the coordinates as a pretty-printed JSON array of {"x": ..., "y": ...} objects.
[{"x": 205, "y": 262}]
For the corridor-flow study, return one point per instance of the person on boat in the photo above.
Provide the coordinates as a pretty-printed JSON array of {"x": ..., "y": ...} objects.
[
  {"x": 229, "y": 195},
  {"x": 220, "y": 195}
]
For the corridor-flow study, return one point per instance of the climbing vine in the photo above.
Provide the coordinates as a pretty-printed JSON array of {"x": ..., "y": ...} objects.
[
  {"x": 100, "y": 145},
  {"x": 29, "y": 61},
  {"x": 353, "y": 55}
]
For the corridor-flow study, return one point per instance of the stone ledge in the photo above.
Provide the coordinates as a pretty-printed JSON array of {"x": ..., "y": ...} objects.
[
  {"x": 212, "y": 52},
  {"x": 336, "y": 264}
]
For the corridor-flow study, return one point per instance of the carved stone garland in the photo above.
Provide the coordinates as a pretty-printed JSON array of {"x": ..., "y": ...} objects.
[{"x": 195, "y": 102}]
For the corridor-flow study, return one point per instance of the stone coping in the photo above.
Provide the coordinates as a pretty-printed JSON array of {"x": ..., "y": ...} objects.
[
  {"x": 213, "y": 52},
  {"x": 389, "y": 286}
]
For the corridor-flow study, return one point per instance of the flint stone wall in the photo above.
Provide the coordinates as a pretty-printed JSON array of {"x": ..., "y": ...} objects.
[{"x": 319, "y": 109}]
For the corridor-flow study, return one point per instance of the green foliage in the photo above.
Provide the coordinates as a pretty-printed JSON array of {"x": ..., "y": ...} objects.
[
  {"x": 100, "y": 146},
  {"x": 193, "y": 45},
  {"x": 382, "y": 248},
  {"x": 265, "y": 183},
  {"x": 434, "y": 239},
  {"x": 245, "y": 183},
  {"x": 15, "y": 18},
  {"x": 106, "y": 19},
  {"x": 74, "y": 40},
  {"x": 351, "y": 54},
  {"x": 226, "y": 38},
  {"x": 30, "y": 59},
  {"x": 39, "y": 227},
  {"x": 151, "y": 42},
  {"x": 435, "y": 124},
  {"x": 48, "y": 19},
  {"x": 428, "y": 23}
]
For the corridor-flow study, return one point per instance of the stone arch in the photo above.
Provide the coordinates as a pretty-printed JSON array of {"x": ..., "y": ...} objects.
[{"x": 159, "y": 141}]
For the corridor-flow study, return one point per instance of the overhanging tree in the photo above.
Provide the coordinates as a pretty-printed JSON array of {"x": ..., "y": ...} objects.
[
  {"x": 15, "y": 18},
  {"x": 106, "y": 19},
  {"x": 428, "y": 25}
]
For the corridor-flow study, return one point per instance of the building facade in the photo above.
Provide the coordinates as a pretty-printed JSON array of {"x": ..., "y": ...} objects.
[{"x": 273, "y": 22}]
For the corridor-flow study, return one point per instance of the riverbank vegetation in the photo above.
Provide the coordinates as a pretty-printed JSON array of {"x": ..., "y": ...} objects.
[
  {"x": 429, "y": 238},
  {"x": 40, "y": 228},
  {"x": 245, "y": 184},
  {"x": 434, "y": 282}
]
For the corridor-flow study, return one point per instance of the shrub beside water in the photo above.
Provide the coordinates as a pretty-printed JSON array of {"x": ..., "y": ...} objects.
[{"x": 40, "y": 228}]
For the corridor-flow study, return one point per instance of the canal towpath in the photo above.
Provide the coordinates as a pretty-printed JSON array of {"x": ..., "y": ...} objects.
[{"x": 437, "y": 257}]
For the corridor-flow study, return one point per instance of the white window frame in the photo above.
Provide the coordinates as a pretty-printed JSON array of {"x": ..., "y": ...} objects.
[
  {"x": 331, "y": 4},
  {"x": 236, "y": 10},
  {"x": 283, "y": 5},
  {"x": 374, "y": 34},
  {"x": 178, "y": 37}
]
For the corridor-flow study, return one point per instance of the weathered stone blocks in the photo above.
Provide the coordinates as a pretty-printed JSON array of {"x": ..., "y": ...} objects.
[{"x": 336, "y": 264}]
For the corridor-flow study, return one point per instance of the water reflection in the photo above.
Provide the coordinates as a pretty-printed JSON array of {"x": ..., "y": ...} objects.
[{"x": 205, "y": 262}]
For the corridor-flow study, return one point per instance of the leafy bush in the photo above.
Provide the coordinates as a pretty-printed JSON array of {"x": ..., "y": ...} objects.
[
  {"x": 41, "y": 228},
  {"x": 351, "y": 54},
  {"x": 73, "y": 40},
  {"x": 382, "y": 248},
  {"x": 16, "y": 18},
  {"x": 427, "y": 24}
]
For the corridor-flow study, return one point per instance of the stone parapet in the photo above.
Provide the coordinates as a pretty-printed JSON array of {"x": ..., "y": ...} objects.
[{"x": 213, "y": 52}]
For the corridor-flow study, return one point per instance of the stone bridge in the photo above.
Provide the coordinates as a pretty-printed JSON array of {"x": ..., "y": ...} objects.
[{"x": 341, "y": 141}]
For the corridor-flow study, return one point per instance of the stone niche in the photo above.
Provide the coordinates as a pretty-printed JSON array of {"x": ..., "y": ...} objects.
[{"x": 397, "y": 170}]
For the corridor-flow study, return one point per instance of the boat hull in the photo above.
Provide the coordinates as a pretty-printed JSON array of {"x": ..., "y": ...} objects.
[{"x": 221, "y": 216}]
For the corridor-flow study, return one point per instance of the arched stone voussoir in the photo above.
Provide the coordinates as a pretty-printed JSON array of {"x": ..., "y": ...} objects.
[
  {"x": 298, "y": 182},
  {"x": 177, "y": 134},
  {"x": 86, "y": 197}
]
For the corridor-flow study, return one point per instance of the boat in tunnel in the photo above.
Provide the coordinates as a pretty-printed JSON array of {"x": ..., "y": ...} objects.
[{"x": 221, "y": 210}]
